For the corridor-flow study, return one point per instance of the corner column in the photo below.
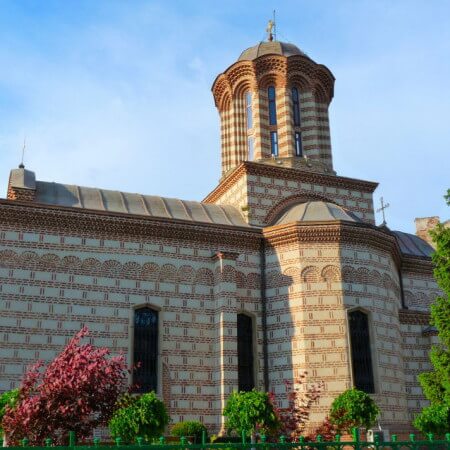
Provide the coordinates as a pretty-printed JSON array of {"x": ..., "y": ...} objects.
[{"x": 226, "y": 328}]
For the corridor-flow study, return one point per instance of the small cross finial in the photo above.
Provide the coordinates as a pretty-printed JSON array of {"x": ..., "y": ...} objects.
[
  {"x": 381, "y": 209},
  {"x": 22, "y": 165},
  {"x": 271, "y": 33}
]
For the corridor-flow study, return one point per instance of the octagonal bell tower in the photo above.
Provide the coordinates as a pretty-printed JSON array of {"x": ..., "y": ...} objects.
[{"x": 273, "y": 105}]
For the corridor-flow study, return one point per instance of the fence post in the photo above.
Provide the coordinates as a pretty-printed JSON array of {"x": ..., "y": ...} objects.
[
  {"x": 183, "y": 440},
  {"x": 282, "y": 439},
  {"x": 203, "y": 437},
  {"x": 139, "y": 440},
  {"x": 355, "y": 433},
  {"x": 447, "y": 436},
  {"x": 243, "y": 436},
  {"x": 48, "y": 442},
  {"x": 162, "y": 440},
  {"x": 96, "y": 442},
  {"x": 118, "y": 441},
  {"x": 25, "y": 442},
  {"x": 71, "y": 438}
]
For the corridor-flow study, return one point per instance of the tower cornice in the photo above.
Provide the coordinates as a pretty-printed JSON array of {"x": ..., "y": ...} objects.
[{"x": 258, "y": 169}]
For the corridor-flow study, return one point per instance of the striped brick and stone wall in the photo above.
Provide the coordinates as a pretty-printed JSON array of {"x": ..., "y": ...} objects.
[
  {"x": 53, "y": 283},
  {"x": 315, "y": 85},
  {"x": 266, "y": 192}
]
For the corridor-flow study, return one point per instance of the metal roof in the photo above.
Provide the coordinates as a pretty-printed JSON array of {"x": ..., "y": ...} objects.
[
  {"x": 316, "y": 211},
  {"x": 413, "y": 245},
  {"x": 270, "y": 48},
  {"x": 147, "y": 205}
]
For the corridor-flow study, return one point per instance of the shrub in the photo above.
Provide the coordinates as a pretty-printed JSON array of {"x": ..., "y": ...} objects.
[
  {"x": 353, "y": 408},
  {"x": 8, "y": 400},
  {"x": 77, "y": 391},
  {"x": 434, "y": 419},
  {"x": 249, "y": 412},
  {"x": 301, "y": 397},
  {"x": 189, "y": 428},
  {"x": 145, "y": 416}
]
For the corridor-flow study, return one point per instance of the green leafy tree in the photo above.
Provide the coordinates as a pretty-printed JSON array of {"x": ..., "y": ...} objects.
[
  {"x": 250, "y": 412},
  {"x": 139, "y": 416},
  {"x": 436, "y": 384},
  {"x": 353, "y": 408},
  {"x": 190, "y": 428},
  {"x": 7, "y": 399}
]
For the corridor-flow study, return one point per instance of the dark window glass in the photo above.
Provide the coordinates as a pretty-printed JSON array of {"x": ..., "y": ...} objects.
[
  {"x": 296, "y": 106},
  {"x": 145, "y": 349},
  {"x": 245, "y": 353},
  {"x": 272, "y": 106},
  {"x": 248, "y": 101},
  {"x": 250, "y": 148},
  {"x": 298, "y": 144},
  {"x": 361, "y": 353},
  {"x": 274, "y": 143}
]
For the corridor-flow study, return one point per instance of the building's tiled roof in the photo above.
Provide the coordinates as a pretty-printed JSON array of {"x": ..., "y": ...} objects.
[
  {"x": 147, "y": 205},
  {"x": 412, "y": 245}
]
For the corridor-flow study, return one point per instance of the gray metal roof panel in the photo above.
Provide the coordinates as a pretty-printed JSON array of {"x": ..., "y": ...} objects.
[
  {"x": 129, "y": 203},
  {"x": 316, "y": 211},
  {"x": 413, "y": 245}
]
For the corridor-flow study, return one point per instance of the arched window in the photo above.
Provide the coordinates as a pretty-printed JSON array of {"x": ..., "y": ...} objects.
[
  {"x": 246, "y": 379},
  {"x": 296, "y": 106},
  {"x": 361, "y": 351},
  {"x": 248, "y": 109},
  {"x": 272, "y": 106},
  {"x": 145, "y": 350}
]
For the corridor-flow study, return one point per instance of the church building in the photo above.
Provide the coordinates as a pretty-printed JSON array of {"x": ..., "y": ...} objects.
[{"x": 280, "y": 269}]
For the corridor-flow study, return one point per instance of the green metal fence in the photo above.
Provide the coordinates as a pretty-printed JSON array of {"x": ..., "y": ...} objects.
[{"x": 262, "y": 444}]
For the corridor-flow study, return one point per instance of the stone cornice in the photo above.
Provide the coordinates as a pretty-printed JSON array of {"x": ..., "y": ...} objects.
[
  {"x": 111, "y": 225},
  {"x": 412, "y": 317},
  {"x": 414, "y": 264},
  {"x": 334, "y": 232},
  {"x": 258, "y": 169}
]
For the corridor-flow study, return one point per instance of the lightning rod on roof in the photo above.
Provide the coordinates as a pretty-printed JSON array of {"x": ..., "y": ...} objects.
[{"x": 22, "y": 165}]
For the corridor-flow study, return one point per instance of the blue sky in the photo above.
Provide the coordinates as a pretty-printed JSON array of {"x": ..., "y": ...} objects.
[{"x": 116, "y": 94}]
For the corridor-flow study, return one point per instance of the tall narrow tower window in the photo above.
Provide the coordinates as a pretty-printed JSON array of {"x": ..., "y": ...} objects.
[
  {"x": 274, "y": 143},
  {"x": 248, "y": 108},
  {"x": 250, "y": 148},
  {"x": 298, "y": 143},
  {"x": 296, "y": 106},
  {"x": 272, "y": 106},
  {"x": 361, "y": 352},
  {"x": 145, "y": 350},
  {"x": 246, "y": 379}
]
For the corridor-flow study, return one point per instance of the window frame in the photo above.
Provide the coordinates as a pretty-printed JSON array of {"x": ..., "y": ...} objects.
[
  {"x": 272, "y": 103},
  {"x": 371, "y": 350},
  {"x": 251, "y": 385},
  {"x": 157, "y": 344},
  {"x": 296, "y": 113},
  {"x": 274, "y": 149},
  {"x": 298, "y": 149}
]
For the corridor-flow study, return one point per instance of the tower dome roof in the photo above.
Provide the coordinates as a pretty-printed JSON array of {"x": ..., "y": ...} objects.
[
  {"x": 270, "y": 48},
  {"x": 316, "y": 211}
]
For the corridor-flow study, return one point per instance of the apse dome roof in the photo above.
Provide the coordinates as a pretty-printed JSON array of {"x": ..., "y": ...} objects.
[
  {"x": 270, "y": 48},
  {"x": 316, "y": 211}
]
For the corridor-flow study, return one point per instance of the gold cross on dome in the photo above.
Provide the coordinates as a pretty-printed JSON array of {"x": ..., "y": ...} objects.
[{"x": 381, "y": 209}]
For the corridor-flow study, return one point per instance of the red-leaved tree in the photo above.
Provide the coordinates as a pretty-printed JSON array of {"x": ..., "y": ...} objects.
[
  {"x": 76, "y": 392},
  {"x": 301, "y": 396}
]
